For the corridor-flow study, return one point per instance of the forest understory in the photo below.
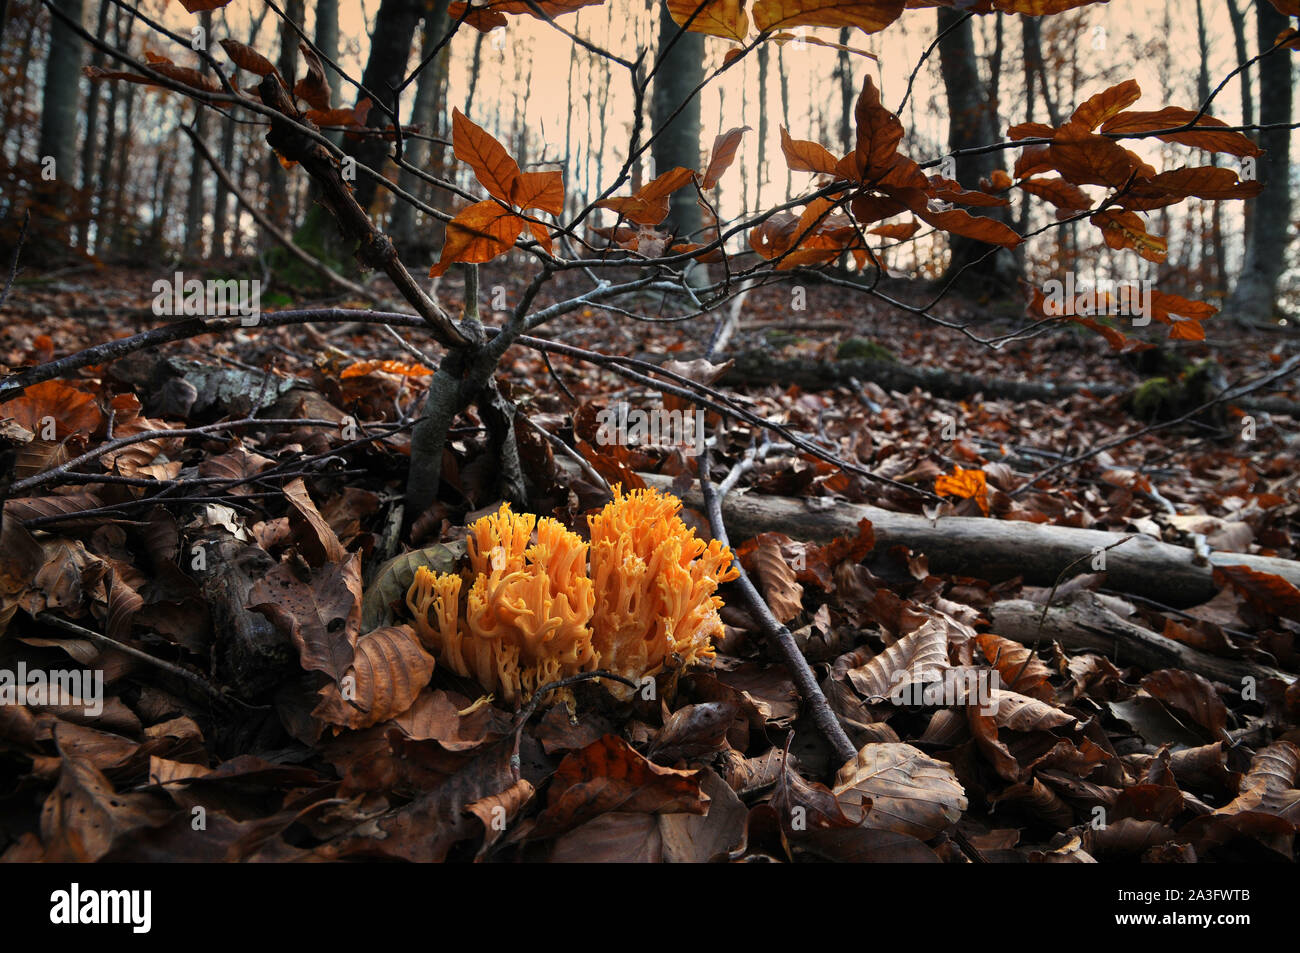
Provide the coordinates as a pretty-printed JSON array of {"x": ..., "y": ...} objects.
[{"x": 1146, "y": 711}]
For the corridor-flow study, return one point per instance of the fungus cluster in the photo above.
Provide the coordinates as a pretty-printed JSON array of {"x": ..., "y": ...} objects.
[{"x": 529, "y": 610}]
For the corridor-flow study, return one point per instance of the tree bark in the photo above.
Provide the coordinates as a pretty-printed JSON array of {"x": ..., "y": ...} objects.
[
  {"x": 1243, "y": 80},
  {"x": 58, "y": 136},
  {"x": 972, "y": 122},
  {"x": 993, "y": 549},
  {"x": 677, "y": 138},
  {"x": 1082, "y": 621},
  {"x": 1255, "y": 296},
  {"x": 390, "y": 48},
  {"x": 424, "y": 113}
]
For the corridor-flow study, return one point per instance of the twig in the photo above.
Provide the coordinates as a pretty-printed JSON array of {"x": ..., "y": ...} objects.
[
  {"x": 804, "y": 678},
  {"x": 568, "y": 451},
  {"x": 71, "y": 628},
  {"x": 13, "y": 268}
]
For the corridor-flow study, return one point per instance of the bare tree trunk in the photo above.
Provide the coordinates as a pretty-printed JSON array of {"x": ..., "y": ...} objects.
[
  {"x": 58, "y": 136},
  {"x": 1202, "y": 94},
  {"x": 390, "y": 49},
  {"x": 277, "y": 182},
  {"x": 844, "y": 75},
  {"x": 972, "y": 121},
  {"x": 762, "y": 125},
  {"x": 327, "y": 41},
  {"x": 194, "y": 204},
  {"x": 785, "y": 111},
  {"x": 92, "y": 133},
  {"x": 677, "y": 138},
  {"x": 1255, "y": 296},
  {"x": 1238, "y": 19},
  {"x": 1034, "y": 66},
  {"x": 424, "y": 114}
]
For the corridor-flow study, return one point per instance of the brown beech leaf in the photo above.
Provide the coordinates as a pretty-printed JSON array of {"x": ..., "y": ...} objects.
[
  {"x": 869, "y": 16},
  {"x": 914, "y": 659},
  {"x": 437, "y": 716},
  {"x": 908, "y": 791},
  {"x": 247, "y": 58},
  {"x": 776, "y": 577},
  {"x": 1265, "y": 591},
  {"x": 1192, "y": 695},
  {"x": 1022, "y": 713},
  {"x": 878, "y": 134},
  {"x": 609, "y": 775},
  {"x": 804, "y": 156},
  {"x": 1270, "y": 786},
  {"x": 70, "y": 410},
  {"x": 83, "y": 815},
  {"x": 493, "y": 166},
  {"x": 693, "y": 732},
  {"x": 200, "y": 6},
  {"x": 1204, "y": 135},
  {"x": 1019, "y": 668},
  {"x": 1105, "y": 105},
  {"x": 322, "y": 616},
  {"x": 478, "y": 234},
  {"x": 1088, "y": 159},
  {"x": 1057, "y": 191},
  {"x": 692, "y": 838},
  {"x": 649, "y": 205},
  {"x": 724, "y": 153},
  {"x": 1127, "y": 230},
  {"x": 388, "y": 671},
  {"x": 315, "y": 538},
  {"x": 724, "y": 18}
]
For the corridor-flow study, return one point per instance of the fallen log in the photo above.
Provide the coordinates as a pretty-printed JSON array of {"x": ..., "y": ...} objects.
[
  {"x": 1082, "y": 621},
  {"x": 994, "y": 549},
  {"x": 761, "y": 367}
]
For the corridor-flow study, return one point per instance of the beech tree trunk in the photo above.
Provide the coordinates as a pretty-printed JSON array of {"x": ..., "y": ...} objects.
[
  {"x": 972, "y": 121},
  {"x": 425, "y": 115},
  {"x": 677, "y": 138},
  {"x": 58, "y": 137},
  {"x": 1255, "y": 295}
]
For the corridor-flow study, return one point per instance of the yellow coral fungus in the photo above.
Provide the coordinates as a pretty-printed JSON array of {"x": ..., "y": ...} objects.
[
  {"x": 524, "y": 620},
  {"x": 533, "y": 613},
  {"x": 655, "y": 582}
]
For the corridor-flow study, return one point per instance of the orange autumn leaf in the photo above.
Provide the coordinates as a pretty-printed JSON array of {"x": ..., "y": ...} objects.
[
  {"x": 649, "y": 204},
  {"x": 1094, "y": 111},
  {"x": 72, "y": 411},
  {"x": 869, "y": 16},
  {"x": 724, "y": 153},
  {"x": 724, "y": 18},
  {"x": 804, "y": 156},
  {"x": 495, "y": 170},
  {"x": 878, "y": 134},
  {"x": 901, "y": 231},
  {"x": 478, "y": 234},
  {"x": 1204, "y": 135},
  {"x": 968, "y": 484},
  {"x": 1127, "y": 230},
  {"x": 362, "y": 368}
]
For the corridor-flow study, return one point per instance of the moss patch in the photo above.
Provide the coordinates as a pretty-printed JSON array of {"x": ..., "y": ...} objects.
[{"x": 863, "y": 349}]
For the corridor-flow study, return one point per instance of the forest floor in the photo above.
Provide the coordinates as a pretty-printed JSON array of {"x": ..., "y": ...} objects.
[{"x": 1179, "y": 766}]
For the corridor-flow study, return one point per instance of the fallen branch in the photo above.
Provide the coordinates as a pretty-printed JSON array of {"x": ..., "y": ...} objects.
[
  {"x": 804, "y": 679},
  {"x": 994, "y": 549},
  {"x": 1084, "y": 622}
]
